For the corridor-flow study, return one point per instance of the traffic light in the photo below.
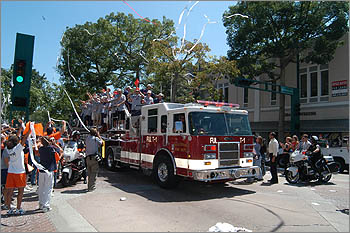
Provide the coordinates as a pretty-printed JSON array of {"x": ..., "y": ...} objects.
[
  {"x": 22, "y": 72},
  {"x": 20, "y": 68}
]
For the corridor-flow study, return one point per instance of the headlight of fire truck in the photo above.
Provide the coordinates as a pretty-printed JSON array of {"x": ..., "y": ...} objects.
[
  {"x": 248, "y": 154},
  {"x": 209, "y": 156}
]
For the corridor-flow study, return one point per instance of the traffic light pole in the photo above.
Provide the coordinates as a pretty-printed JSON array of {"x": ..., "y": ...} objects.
[{"x": 283, "y": 90}]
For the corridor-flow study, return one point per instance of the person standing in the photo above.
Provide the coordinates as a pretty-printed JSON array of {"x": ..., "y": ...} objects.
[
  {"x": 16, "y": 176},
  {"x": 136, "y": 100},
  {"x": 148, "y": 98},
  {"x": 258, "y": 157},
  {"x": 159, "y": 98},
  {"x": 273, "y": 152},
  {"x": 304, "y": 144},
  {"x": 46, "y": 177},
  {"x": 92, "y": 142}
]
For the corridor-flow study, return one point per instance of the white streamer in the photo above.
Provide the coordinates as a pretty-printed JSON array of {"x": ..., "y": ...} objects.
[
  {"x": 48, "y": 114},
  {"x": 237, "y": 14},
  {"x": 202, "y": 33},
  {"x": 30, "y": 144},
  {"x": 143, "y": 56},
  {"x": 69, "y": 68},
  {"x": 182, "y": 13},
  {"x": 91, "y": 34},
  {"x": 118, "y": 140},
  {"x": 76, "y": 111},
  {"x": 192, "y": 7}
]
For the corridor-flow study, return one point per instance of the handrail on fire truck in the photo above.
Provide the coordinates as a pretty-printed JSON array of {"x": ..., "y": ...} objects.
[{"x": 217, "y": 104}]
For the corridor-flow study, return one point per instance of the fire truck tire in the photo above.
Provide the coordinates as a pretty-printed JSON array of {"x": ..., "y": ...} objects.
[
  {"x": 164, "y": 173},
  {"x": 110, "y": 163}
]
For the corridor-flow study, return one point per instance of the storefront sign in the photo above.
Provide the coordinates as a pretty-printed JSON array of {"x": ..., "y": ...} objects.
[
  {"x": 340, "y": 88},
  {"x": 303, "y": 114}
]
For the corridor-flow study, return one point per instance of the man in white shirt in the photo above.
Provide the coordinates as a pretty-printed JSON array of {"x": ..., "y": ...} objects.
[{"x": 273, "y": 152}]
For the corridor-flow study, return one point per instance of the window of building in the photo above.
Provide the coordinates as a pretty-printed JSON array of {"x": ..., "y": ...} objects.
[
  {"x": 324, "y": 82},
  {"x": 152, "y": 120},
  {"x": 223, "y": 92},
  {"x": 303, "y": 85},
  {"x": 245, "y": 97},
  {"x": 314, "y": 83}
]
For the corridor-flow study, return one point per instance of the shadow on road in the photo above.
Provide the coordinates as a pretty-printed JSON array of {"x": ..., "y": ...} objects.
[
  {"x": 132, "y": 181},
  {"x": 75, "y": 191},
  {"x": 310, "y": 184}
]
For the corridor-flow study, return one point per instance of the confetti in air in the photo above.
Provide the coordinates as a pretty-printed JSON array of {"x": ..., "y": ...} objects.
[{"x": 138, "y": 13}]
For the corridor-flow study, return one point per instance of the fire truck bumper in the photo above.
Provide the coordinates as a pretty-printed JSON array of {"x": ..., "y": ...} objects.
[{"x": 227, "y": 173}]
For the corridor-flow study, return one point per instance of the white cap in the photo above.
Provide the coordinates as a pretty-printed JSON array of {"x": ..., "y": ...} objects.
[
  {"x": 149, "y": 85},
  {"x": 149, "y": 92}
]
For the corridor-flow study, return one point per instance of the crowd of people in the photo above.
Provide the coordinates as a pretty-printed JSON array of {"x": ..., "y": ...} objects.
[
  {"x": 108, "y": 109},
  {"x": 18, "y": 167},
  {"x": 264, "y": 152}
]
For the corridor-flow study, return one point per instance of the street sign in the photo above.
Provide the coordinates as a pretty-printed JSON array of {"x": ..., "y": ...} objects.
[{"x": 286, "y": 90}]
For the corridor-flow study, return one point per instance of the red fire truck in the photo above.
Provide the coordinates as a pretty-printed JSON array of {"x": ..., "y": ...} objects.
[{"x": 204, "y": 141}]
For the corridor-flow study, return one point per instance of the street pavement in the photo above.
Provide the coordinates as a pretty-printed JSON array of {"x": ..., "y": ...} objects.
[{"x": 127, "y": 200}]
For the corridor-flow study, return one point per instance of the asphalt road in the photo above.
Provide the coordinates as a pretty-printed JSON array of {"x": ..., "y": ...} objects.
[{"x": 196, "y": 206}]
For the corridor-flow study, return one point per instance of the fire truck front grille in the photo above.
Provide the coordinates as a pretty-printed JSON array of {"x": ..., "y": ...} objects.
[{"x": 228, "y": 154}]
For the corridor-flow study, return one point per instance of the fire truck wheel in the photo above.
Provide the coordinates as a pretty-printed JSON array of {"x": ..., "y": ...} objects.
[
  {"x": 164, "y": 173},
  {"x": 110, "y": 163}
]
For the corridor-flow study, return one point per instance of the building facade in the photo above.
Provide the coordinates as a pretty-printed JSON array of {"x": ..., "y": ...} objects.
[{"x": 324, "y": 98}]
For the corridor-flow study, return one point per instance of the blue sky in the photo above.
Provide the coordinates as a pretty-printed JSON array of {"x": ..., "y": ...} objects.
[{"x": 47, "y": 21}]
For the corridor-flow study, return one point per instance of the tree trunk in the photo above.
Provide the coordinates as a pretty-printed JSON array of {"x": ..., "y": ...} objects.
[
  {"x": 174, "y": 88},
  {"x": 281, "y": 106}
]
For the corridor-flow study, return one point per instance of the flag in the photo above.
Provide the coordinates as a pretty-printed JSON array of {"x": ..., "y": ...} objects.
[{"x": 137, "y": 83}]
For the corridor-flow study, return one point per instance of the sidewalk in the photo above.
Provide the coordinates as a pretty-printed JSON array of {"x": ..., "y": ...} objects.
[{"x": 33, "y": 220}]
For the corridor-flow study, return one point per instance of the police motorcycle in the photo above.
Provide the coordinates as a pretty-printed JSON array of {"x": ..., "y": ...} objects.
[
  {"x": 72, "y": 163},
  {"x": 300, "y": 168}
]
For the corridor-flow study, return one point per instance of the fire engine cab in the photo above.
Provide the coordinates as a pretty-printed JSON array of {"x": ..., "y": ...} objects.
[{"x": 203, "y": 141}]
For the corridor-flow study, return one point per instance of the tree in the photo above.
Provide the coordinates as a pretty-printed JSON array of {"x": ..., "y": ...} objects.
[
  {"x": 43, "y": 97},
  {"x": 275, "y": 32},
  {"x": 174, "y": 68},
  {"x": 108, "y": 52}
]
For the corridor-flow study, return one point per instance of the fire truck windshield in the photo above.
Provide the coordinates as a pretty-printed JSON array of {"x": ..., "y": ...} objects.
[{"x": 218, "y": 124}]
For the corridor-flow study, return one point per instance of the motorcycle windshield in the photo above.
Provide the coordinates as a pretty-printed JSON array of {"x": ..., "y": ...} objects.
[{"x": 72, "y": 144}]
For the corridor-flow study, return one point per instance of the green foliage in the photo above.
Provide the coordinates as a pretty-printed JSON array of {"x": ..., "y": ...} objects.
[
  {"x": 279, "y": 30},
  {"x": 44, "y": 97},
  {"x": 107, "y": 52}
]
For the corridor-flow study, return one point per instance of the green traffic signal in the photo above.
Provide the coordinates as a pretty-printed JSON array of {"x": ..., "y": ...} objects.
[{"x": 19, "y": 79}]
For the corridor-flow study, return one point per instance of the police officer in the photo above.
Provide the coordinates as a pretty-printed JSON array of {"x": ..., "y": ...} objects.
[
  {"x": 93, "y": 142},
  {"x": 315, "y": 152}
]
